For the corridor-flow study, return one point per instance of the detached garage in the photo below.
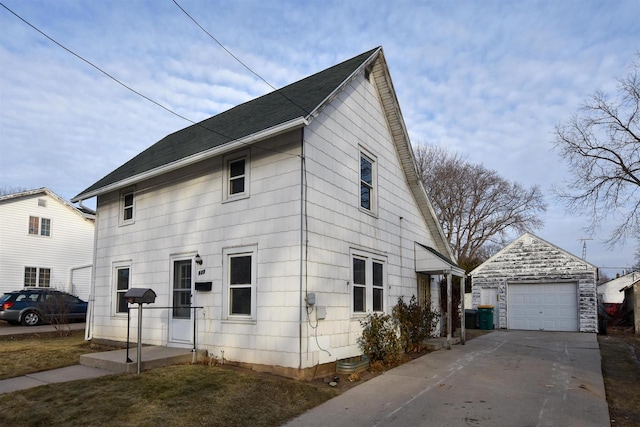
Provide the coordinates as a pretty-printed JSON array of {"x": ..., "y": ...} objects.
[{"x": 535, "y": 285}]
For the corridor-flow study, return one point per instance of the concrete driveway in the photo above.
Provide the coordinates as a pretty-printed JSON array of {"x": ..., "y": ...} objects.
[{"x": 514, "y": 378}]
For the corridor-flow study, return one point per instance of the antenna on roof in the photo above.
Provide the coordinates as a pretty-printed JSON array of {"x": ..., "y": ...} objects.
[{"x": 584, "y": 246}]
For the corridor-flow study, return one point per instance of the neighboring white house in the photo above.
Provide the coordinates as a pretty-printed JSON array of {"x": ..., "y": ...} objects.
[
  {"x": 611, "y": 291},
  {"x": 535, "y": 285},
  {"x": 287, "y": 219},
  {"x": 46, "y": 242}
]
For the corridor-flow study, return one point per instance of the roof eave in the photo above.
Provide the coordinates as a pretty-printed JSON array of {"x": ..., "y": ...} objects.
[{"x": 186, "y": 161}]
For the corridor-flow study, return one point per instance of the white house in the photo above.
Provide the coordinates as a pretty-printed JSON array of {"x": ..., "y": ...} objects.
[
  {"x": 612, "y": 291},
  {"x": 46, "y": 242},
  {"x": 535, "y": 285},
  {"x": 274, "y": 227}
]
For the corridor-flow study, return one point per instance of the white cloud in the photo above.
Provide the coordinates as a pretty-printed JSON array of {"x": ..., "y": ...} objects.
[{"x": 488, "y": 79}]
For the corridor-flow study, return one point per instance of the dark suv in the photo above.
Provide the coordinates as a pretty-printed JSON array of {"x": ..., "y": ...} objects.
[{"x": 31, "y": 306}]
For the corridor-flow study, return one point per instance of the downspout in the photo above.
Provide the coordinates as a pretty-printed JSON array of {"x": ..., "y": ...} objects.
[
  {"x": 302, "y": 213},
  {"x": 88, "y": 333}
]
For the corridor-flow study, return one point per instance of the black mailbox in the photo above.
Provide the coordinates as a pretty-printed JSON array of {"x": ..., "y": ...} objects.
[{"x": 140, "y": 296}]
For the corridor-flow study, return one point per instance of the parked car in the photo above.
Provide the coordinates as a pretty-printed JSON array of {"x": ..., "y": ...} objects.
[{"x": 32, "y": 306}]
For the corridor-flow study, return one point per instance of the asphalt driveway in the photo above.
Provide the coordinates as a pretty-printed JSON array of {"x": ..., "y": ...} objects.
[{"x": 514, "y": 378}]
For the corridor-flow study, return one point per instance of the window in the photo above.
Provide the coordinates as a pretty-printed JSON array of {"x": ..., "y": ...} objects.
[
  {"x": 42, "y": 202},
  {"x": 37, "y": 276},
  {"x": 45, "y": 229},
  {"x": 182, "y": 289},
  {"x": 30, "y": 276},
  {"x": 39, "y": 226},
  {"x": 127, "y": 205},
  {"x": 44, "y": 278},
  {"x": 368, "y": 282},
  {"x": 122, "y": 279},
  {"x": 367, "y": 182},
  {"x": 236, "y": 176},
  {"x": 240, "y": 264},
  {"x": 359, "y": 285},
  {"x": 34, "y": 223}
]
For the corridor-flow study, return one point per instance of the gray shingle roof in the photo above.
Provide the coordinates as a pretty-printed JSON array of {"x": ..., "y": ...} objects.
[{"x": 296, "y": 100}]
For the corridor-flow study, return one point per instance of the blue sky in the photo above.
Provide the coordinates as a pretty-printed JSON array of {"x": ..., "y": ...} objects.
[{"x": 488, "y": 79}]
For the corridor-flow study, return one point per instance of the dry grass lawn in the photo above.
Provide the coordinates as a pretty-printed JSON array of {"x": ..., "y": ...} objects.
[
  {"x": 182, "y": 395},
  {"x": 221, "y": 395},
  {"x": 29, "y": 354}
]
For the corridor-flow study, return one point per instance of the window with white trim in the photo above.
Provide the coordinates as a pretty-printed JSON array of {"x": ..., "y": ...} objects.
[
  {"x": 240, "y": 277},
  {"x": 122, "y": 282},
  {"x": 368, "y": 182},
  {"x": 127, "y": 207},
  {"x": 37, "y": 277},
  {"x": 368, "y": 274},
  {"x": 236, "y": 175},
  {"x": 39, "y": 226}
]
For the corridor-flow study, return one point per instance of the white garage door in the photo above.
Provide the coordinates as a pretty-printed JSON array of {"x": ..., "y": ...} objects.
[{"x": 543, "y": 307}]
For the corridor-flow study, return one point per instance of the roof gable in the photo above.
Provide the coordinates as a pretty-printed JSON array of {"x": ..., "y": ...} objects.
[
  {"x": 523, "y": 240},
  {"x": 84, "y": 212}
]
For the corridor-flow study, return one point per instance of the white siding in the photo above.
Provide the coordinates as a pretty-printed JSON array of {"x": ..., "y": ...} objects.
[
  {"x": 69, "y": 246},
  {"x": 184, "y": 212}
]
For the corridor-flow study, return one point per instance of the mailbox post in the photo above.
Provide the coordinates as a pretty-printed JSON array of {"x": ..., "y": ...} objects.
[{"x": 139, "y": 296}]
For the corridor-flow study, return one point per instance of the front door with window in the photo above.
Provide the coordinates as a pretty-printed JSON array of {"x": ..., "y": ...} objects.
[{"x": 180, "y": 330}]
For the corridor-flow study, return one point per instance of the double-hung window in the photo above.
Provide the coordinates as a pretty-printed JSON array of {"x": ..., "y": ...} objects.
[
  {"x": 127, "y": 207},
  {"x": 240, "y": 270},
  {"x": 368, "y": 272},
  {"x": 236, "y": 176},
  {"x": 122, "y": 279},
  {"x": 368, "y": 178},
  {"x": 39, "y": 226}
]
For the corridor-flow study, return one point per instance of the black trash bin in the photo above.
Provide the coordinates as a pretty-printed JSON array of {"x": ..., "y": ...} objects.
[
  {"x": 485, "y": 314},
  {"x": 471, "y": 319}
]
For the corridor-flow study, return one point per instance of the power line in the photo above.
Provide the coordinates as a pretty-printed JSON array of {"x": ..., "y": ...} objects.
[
  {"x": 238, "y": 59},
  {"x": 199, "y": 124}
]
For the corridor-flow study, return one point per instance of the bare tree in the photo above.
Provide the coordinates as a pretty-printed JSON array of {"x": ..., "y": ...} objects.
[
  {"x": 477, "y": 208},
  {"x": 601, "y": 146}
]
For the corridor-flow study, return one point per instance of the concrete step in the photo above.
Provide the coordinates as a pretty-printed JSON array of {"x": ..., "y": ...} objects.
[
  {"x": 435, "y": 344},
  {"x": 152, "y": 357}
]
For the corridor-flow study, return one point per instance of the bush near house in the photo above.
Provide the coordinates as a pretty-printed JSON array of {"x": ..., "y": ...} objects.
[
  {"x": 385, "y": 337},
  {"x": 416, "y": 323}
]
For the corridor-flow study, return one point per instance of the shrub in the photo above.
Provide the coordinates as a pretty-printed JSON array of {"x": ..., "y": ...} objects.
[
  {"x": 416, "y": 323},
  {"x": 379, "y": 339}
]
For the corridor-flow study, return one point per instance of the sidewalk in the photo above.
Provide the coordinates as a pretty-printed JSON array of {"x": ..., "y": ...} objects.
[{"x": 69, "y": 373}]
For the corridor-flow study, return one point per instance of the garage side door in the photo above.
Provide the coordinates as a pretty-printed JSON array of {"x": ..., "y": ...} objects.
[{"x": 543, "y": 307}]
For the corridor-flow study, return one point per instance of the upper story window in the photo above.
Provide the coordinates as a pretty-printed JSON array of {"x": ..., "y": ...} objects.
[
  {"x": 368, "y": 283},
  {"x": 368, "y": 178},
  {"x": 127, "y": 207},
  {"x": 39, "y": 226},
  {"x": 236, "y": 176}
]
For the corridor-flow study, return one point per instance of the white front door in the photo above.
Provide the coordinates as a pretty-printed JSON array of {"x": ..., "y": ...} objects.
[{"x": 181, "y": 323}]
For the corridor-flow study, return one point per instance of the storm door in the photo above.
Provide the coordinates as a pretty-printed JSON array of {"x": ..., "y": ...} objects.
[{"x": 182, "y": 291}]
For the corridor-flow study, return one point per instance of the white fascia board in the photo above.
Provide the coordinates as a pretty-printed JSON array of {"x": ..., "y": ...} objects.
[{"x": 213, "y": 152}]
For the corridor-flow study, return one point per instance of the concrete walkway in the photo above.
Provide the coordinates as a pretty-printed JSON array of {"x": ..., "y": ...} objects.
[
  {"x": 62, "y": 375},
  {"x": 515, "y": 378}
]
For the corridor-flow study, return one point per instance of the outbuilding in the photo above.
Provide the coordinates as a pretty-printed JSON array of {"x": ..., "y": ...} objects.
[{"x": 535, "y": 285}]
